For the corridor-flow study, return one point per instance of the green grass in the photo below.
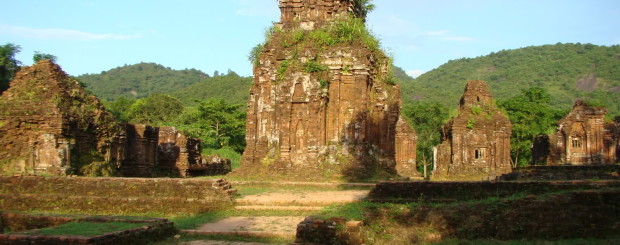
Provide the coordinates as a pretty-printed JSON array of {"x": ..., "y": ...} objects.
[
  {"x": 357, "y": 210},
  {"x": 86, "y": 228}
]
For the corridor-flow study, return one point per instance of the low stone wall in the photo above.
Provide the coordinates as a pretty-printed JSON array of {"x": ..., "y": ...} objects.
[
  {"x": 566, "y": 172},
  {"x": 331, "y": 231},
  {"x": 461, "y": 191},
  {"x": 153, "y": 229},
  {"x": 120, "y": 196},
  {"x": 20, "y": 222},
  {"x": 565, "y": 215}
]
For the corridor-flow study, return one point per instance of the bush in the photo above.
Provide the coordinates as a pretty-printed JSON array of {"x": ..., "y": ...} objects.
[
  {"x": 100, "y": 169},
  {"x": 232, "y": 155},
  {"x": 313, "y": 66}
]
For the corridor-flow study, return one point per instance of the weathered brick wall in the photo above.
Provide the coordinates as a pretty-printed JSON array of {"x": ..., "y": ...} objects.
[
  {"x": 584, "y": 172},
  {"x": 15, "y": 222},
  {"x": 112, "y": 195},
  {"x": 565, "y": 215},
  {"x": 313, "y": 14},
  {"x": 461, "y": 191}
]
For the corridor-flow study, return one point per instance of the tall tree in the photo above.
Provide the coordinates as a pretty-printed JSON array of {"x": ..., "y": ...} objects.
[
  {"x": 217, "y": 123},
  {"x": 8, "y": 64},
  {"x": 38, "y": 56},
  {"x": 120, "y": 108},
  {"x": 427, "y": 118},
  {"x": 531, "y": 115},
  {"x": 156, "y": 109}
]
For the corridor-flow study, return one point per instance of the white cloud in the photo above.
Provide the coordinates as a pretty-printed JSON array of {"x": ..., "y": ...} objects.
[
  {"x": 415, "y": 73},
  {"x": 60, "y": 34},
  {"x": 437, "y": 33}
]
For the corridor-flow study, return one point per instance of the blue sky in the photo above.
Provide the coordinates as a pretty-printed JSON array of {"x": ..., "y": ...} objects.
[{"x": 90, "y": 36}]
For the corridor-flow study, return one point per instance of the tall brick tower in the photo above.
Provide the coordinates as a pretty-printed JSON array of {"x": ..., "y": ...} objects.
[{"x": 323, "y": 104}]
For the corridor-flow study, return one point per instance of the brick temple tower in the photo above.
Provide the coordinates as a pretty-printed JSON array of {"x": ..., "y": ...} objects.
[
  {"x": 476, "y": 143},
  {"x": 324, "y": 109}
]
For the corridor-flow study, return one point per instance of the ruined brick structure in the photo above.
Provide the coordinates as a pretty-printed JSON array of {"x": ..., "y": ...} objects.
[
  {"x": 50, "y": 125},
  {"x": 583, "y": 138},
  {"x": 158, "y": 150},
  {"x": 327, "y": 109},
  {"x": 476, "y": 143},
  {"x": 48, "y": 122}
]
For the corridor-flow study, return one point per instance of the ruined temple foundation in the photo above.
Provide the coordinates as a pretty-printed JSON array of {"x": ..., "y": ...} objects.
[
  {"x": 343, "y": 121},
  {"x": 476, "y": 143}
]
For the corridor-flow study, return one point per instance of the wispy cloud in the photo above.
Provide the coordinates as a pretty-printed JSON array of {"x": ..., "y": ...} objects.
[
  {"x": 437, "y": 33},
  {"x": 415, "y": 73},
  {"x": 60, "y": 34}
]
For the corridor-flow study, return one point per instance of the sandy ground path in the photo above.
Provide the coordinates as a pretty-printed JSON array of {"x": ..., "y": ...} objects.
[
  {"x": 270, "y": 226},
  {"x": 274, "y": 225},
  {"x": 303, "y": 198}
]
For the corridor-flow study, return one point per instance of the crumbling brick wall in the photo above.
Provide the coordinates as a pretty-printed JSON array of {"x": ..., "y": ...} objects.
[{"x": 169, "y": 196}]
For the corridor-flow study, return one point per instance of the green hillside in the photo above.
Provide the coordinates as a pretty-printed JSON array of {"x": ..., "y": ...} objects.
[
  {"x": 231, "y": 87},
  {"x": 139, "y": 80},
  {"x": 566, "y": 71}
]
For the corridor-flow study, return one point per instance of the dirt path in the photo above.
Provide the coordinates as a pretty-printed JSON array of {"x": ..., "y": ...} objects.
[
  {"x": 273, "y": 226},
  {"x": 284, "y": 225},
  {"x": 303, "y": 198}
]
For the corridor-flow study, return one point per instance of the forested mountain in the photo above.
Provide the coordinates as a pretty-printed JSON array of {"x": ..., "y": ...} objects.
[
  {"x": 232, "y": 88},
  {"x": 139, "y": 80},
  {"x": 566, "y": 71}
]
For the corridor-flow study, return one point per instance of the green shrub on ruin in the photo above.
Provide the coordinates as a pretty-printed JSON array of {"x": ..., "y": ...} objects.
[
  {"x": 100, "y": 169},
  {"x": 282, "y": 69},
  {"x": 255, "y": 54},
  {"x": 312, "y": 66}
]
